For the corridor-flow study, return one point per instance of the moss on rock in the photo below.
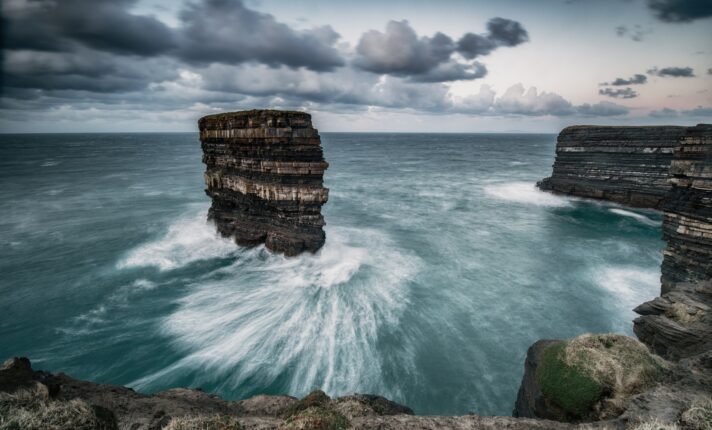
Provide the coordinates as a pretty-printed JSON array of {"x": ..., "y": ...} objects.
[
  {"x": 567, "y": 386},
  {"x": 594, "y": 376}
]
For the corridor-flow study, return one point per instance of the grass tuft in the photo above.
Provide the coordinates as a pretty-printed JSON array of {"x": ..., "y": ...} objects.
[
  {"x": 203, "y": 422},
  {"x": 317, "y": 418},
  {"x": 32, "y": 409},
  {"x": 654, "y": 424},
  {"x": 699, "y": 416}
]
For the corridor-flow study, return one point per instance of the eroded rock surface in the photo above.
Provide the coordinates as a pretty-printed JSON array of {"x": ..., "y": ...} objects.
[
  {"x": 627, "y": 165},
  {"x": 264, "y": 174},
  {"x": 687, "y": 224}
]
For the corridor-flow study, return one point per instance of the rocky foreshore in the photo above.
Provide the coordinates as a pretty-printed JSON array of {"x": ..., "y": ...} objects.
[
  {"x": 627, "y": 165},
  {"x": 265, "y": 171}
]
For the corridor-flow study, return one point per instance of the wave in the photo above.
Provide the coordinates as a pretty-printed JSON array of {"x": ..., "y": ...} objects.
[
  {"x": 189, "y": 239},
  {"x": 636, "y": 216},
  {"x": 629, "y": 286},
  {"x": 304, "y": 322},
  {"x": 526, "y": 193}
]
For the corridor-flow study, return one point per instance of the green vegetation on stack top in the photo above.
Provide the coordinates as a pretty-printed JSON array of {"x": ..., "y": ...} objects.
[{"x": 594, "y": 376}]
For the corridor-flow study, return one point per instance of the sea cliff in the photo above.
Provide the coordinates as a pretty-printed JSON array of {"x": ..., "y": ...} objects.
[
  {"x": 264, "y": 174},
  {"x": 627, "y": 165}
]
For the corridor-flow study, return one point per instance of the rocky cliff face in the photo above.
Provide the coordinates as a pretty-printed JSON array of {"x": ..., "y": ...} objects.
[
  {"x": 264, "y": 173},
  {"x": 687, "y": 224},
  {"x": 627, "y": 165}
]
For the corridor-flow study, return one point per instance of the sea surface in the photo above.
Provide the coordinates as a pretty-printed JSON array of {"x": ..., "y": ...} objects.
[{"x": 442, "y": 264}]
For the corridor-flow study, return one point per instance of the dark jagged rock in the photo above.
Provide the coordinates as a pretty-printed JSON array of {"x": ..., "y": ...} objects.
[
  {"x": 627, "y": 165},
  {"x": 264, "y": 173},
  {"x": 677, "y": 324},
  {"x": 687, "y": 224},
  {"x": 531, "y": 402}
]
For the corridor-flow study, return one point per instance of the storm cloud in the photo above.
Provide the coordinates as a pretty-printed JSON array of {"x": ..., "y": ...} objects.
[
  {"x": 680, "y": 10},
  {"x": 399, "y": 51},
  {"x": 225, "y": 31},
  {"x": 621, "y": 93},
  {"x": 675, "y": 72}
]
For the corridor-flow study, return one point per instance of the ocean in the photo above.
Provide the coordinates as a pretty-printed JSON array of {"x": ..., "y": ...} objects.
[{"x": 442, "y": 264}]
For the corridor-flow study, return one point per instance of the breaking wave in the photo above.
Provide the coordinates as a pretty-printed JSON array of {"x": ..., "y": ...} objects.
[
  {"x": 313, "y": 319},
  {"x": 636, "y": 216},
  {"x": 187, "y": 240},
  {"x": 526, "y": 193}
]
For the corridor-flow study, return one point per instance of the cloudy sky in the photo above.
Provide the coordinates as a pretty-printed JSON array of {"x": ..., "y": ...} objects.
[{"x": 401, "y": 65}]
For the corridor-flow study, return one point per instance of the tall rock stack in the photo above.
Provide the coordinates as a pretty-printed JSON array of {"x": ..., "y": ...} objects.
[
  {"x": 627, "y": 165},
  {"x": 687, "y": 225},
  {"x": 264, "y": 173}
]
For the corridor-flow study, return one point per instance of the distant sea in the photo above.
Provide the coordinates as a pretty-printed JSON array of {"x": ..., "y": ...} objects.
[{"x": 442, "y": 264}]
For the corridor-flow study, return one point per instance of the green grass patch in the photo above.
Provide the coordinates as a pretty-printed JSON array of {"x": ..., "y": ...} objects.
[{"x": 569, "y": 387}]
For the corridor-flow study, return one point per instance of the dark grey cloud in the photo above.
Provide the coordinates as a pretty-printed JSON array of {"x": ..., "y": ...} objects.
[
  {"x": 680, "y": 10},
  {"x": 709, "y": 71},
  {"x": 506, "y": 32},
  {"x": 620, "y": 93},
  {"x": 675, "y": 72},
  {"x": 84, "y": 70},
  {"x": 500, "y": 32},
  {"x": 635, "y": 33},
  {"x": 225, "y": 31},
  {"x": 211, "y": 31},
  {"x": 101, "y": 24},
  {"x": 636, "y": 79},
  {"x": 399, "y": 51}
]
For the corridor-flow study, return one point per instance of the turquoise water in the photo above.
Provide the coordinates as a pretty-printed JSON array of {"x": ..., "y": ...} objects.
[{"x": 442, "y": 265}]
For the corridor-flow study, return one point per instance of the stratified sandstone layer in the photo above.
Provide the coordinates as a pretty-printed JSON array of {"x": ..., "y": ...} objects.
[
  {"x": 627, "y": 165},
  {"x": 265, "y": 171},
  {"x": 687, "y": 224}
]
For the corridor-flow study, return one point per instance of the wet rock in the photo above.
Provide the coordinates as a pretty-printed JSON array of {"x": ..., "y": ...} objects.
[
  {"x": 627, "y": 165},
  {"x": 677, "y": 324},
  {"x": 264, "y": 175}
]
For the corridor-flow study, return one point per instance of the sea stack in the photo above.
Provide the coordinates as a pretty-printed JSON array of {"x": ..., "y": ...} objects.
[
  {"x": 265, "y": 171},
  {"x": 627, "y": 165}
]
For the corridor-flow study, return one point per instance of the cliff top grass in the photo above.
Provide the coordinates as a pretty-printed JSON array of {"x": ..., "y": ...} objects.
[
  {"x": 32, "y": 409},
  {"x": 203, "y": 422},
  {"x": 594, "y": 376}
]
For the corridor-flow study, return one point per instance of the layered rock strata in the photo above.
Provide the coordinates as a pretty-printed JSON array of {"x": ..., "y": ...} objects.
[
  {"x": 264, "y": 174},
  {"x": 627, "y": 165},
  {"x": 687, "y": 222}
]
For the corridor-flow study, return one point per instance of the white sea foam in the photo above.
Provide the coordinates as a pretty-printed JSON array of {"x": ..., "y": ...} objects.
[
  {"x": 636, "y": 216},
  {"x": 526, "y": 193},
  {"x": 316, "y": 318},
  {"x": 187, "y": 240},
  {"x": 629, "y": 286}
]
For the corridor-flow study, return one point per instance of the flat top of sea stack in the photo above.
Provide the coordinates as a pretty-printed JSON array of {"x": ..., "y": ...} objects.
[{"x": 256, "y": 113}]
